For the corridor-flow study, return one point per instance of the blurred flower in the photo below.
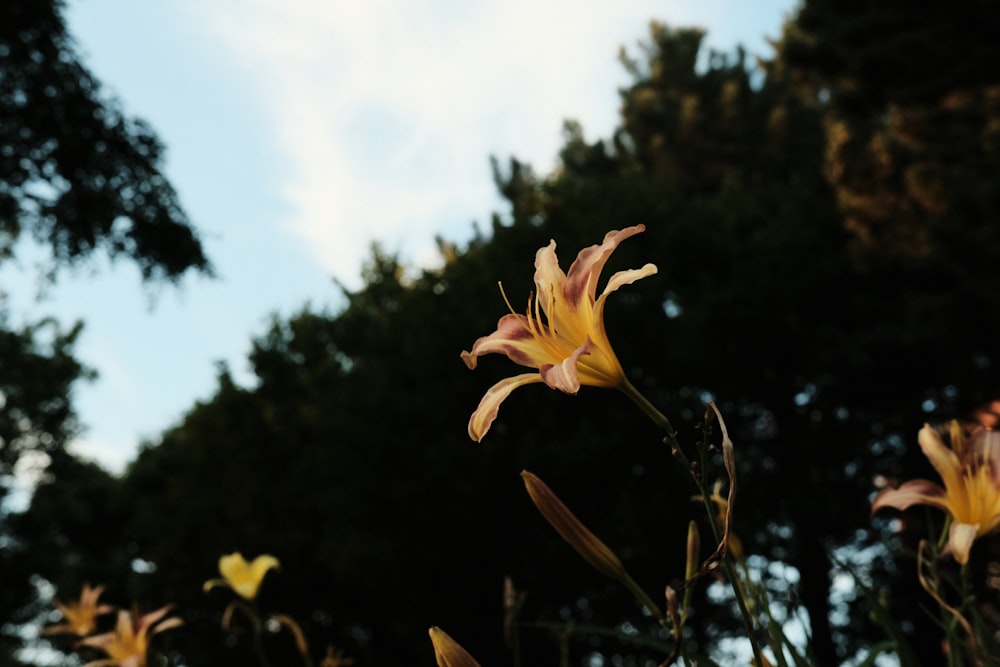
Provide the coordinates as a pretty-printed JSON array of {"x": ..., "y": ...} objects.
[
  {"x": 448, "y": 652},
  {"x": 128, "y": 644},
  {"x": 335, "y": 658},
  {"x": 81, "y": 616},
  {"x": 562, "y": 333},
  {"x": 241, "y": 576},
  {"x": 970, "y": 470}
]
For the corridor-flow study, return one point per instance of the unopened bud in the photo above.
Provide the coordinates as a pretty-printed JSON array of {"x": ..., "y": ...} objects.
[
  {"x": 593, "y": 550},
  {"x": 447, "y": 651},
  {"x": 693, "y": 549}
]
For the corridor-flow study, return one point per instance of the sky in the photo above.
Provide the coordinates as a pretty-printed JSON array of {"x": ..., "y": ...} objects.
[{"x": 298, "y": 132}]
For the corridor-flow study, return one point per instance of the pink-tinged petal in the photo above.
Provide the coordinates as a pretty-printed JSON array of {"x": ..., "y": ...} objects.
[
  {"x": 989, "y": 445},
  {"x": 943, "y": 459},
  {"x": 512, "y": 338},
  {"x": 586, "y": 269},
  {"x": 484, "y": 415},
  {"x": 564, "y": 376},
  {"x": 914, "y": 492},
  {"x": 549, "y": 276},
  {"x": 960, "y": 539},
  {"x": 616, "y": 281}
]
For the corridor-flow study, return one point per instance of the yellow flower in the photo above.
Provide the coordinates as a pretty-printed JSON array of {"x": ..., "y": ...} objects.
[
  {"x": 241, "y": 576},
  {"x": 970, "y": 471},
  {"x": 448, "y": 652},
  {"x": 562, "y": 333},
  {"x": 128, "y": 644},
  {"x": 81, "y": 617}
]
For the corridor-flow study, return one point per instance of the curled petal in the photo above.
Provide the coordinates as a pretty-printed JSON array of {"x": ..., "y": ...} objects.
[
  {"x": 564, "y": 376},
  {"x": 628, "y": 277},
  {"x": 512, "y": 338},
  {"x": 484, "y": 415},
  {"x": 914, "y": 492},
  {"x": 960, "y": 539},
  {"x": 616, "y": 281}
]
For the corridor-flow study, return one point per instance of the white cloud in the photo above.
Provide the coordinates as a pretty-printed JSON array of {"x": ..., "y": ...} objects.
[{"x": 388, "y": 110}]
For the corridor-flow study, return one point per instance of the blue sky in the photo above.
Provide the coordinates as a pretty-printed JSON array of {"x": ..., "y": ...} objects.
[{"x": 298, "y": 132}]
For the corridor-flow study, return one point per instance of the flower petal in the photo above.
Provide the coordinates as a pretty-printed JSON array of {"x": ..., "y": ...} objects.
[
  {"x": 945, "y": 461},
  {"x": 989, "y": 445},
  {"x": 914, "y": 492},
  {"x": 512, "y": 338},
  {"x": 586, "y": 268},
  {"x": 564, "y": 376},
  {"x": 262, "y": 564},
  {"x": 484, "y": 415},
  {"x": 616, "y": 281},
  {"x": 960, "y": 539},
  {"x": 549, "y": 276}
]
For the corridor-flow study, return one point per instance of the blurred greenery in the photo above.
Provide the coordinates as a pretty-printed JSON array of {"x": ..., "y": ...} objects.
[{"x": 826, "y": 228}]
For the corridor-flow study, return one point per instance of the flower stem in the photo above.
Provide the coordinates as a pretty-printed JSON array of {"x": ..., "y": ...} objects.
[
  {"x": 661, "y": 420},
  {"x": 658, "y": 417}
]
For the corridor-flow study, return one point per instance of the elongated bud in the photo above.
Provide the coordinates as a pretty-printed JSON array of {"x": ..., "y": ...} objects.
[
  {"x": 593, "y": 550},
  {"x": 693, "y": 549},
  {"x": 448, "y": 652}
]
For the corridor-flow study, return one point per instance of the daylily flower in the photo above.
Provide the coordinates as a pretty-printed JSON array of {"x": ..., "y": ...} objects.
[
  {"x": 241, "y": 576},
  {"x": 562, "y": 333},
  {"x": 80, "y": 617},
  {"x": 970, "y": 470},
  {"x": 128, "y": 644}
]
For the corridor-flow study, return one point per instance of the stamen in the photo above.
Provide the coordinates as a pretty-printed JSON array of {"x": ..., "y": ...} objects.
[{"x": 505, "y": 299}]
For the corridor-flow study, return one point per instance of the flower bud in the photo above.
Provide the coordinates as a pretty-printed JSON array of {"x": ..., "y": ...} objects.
[
  {"x": 448, "y": 652},
  {"x": 593, "y": 550}
]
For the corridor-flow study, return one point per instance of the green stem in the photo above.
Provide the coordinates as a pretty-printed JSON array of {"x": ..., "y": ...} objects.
[
  {"x": 645, "y": 600},
  {"x": 661, "y": 420},
  {"x": 658, "y": 417}
]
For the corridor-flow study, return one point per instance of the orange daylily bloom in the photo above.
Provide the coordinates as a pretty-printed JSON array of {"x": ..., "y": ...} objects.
[
  {"x": 448, "y": 652},
  {"x": 128, "y": 644},
  {"x": 562, "y": 333},
  {"x": 80, "y": 617},
  {"x": 241, "y": 576},
  {"x": 970, "y": 470}
]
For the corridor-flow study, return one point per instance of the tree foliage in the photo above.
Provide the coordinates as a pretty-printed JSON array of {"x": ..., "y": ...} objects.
[{"x": 77, "y": 176}]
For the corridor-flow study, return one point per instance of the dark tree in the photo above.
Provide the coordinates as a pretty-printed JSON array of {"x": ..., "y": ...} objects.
[
  {"x": 77, "y": 176},
  {"x": 75, "y": 173}
]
